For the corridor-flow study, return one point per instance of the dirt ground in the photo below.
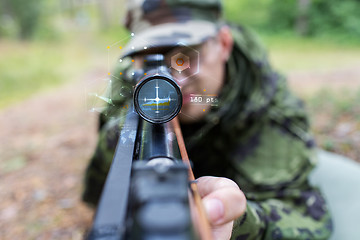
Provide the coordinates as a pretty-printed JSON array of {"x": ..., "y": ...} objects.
[
  {"x": 336, "y": 121},
  {"x": 45, "y": 143},
  {"x": 310, "y": 82}
]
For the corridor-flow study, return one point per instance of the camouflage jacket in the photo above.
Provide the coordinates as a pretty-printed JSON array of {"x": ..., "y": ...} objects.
[{"x": 258, "y": 136}]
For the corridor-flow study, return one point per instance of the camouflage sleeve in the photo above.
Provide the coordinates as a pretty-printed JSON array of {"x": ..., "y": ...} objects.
[
  {"x": 293, "y": 214},
  {"x": 281, "y": 202}
]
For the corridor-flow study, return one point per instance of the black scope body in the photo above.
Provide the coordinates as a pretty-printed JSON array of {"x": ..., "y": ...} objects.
[{"x": 157, "y": 97}]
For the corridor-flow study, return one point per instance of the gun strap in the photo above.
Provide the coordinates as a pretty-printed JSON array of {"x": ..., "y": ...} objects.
[{"x": 203, "y": 223}]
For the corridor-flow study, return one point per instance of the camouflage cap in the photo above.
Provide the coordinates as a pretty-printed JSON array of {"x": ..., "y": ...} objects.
[{"x": 167, "y": 23}]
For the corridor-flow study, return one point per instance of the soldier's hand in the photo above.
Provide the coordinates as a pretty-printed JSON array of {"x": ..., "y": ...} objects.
[{"x": 224, "y": 202}]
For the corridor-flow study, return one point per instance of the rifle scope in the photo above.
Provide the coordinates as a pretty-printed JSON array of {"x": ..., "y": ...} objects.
[{"x": 157, "y": 97}]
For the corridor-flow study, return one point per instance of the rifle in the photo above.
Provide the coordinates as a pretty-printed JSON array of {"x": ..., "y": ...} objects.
[{"x": 146, "y": 194}]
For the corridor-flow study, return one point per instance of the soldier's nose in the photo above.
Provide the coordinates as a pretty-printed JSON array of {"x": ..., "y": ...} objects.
[{"x": 182, "y": 79}]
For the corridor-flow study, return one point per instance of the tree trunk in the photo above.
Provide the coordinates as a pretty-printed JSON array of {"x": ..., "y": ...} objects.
[
  {"x": 105, "y": 13},
  {"x": 302, "y": 20}
]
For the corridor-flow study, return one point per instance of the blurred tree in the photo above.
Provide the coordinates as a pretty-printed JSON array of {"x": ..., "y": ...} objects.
[
  {"x": 302, "y": 19},
  {"x": 335, "y": 17},
  {"x": 105, "y": 13},
  {"x": 314, "y": 17},
  {"x": 111, "y": 13},
  {"x": 248, "y": 12},
  {"x": 1, "y": 18},
  {"x": 281, "y": 15},
  {"x": 26, "y": 14}
]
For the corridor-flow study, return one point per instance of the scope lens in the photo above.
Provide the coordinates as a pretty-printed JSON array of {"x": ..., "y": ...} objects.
[{"x": 157, "y": 99}]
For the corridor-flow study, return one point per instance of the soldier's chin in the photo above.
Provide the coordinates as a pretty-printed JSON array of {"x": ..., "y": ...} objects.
[{"x": 190, "y": 114}]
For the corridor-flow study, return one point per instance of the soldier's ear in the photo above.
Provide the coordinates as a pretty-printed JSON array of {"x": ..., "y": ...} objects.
[{"x": 226, "y": 41}]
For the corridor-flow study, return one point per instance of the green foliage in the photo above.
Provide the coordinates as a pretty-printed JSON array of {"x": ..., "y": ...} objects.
[
  {"x": 329, "y": 18},
  {"x": 46, "y": 29},
  {"x": 26, "y": 69},
  {"x": 26, "y": 15},
  {"x": 289, "y": 53},
  {"x": 281, "y": 16},
  {"x": 7, "y": 26},
  {"x": 335, "y": 16},
  {"x": 252, "y": 13},
  {"x": 22, "y": 74}
]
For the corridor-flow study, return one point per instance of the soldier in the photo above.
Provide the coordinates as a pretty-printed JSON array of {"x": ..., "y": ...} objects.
[{"x": 257, "y": 135}]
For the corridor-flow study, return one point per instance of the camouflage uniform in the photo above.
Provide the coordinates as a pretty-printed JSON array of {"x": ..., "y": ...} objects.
[{"x": 258, "y": 136}]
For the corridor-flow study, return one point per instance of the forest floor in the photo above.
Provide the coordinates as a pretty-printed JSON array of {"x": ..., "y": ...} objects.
[{"x": 45, "y": 145}]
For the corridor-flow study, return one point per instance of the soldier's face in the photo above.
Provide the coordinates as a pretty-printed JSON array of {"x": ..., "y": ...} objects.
[
  {"x": 201, "y": 81},
  {"x": 202, "y": 85}
]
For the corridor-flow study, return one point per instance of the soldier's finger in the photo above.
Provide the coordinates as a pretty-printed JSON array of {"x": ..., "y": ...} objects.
[
  {"x": 209, "y": 184},
  {"x": 222, "y": 198}
]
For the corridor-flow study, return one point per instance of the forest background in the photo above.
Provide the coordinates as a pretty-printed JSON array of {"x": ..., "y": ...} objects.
[{"x": 54, "y": 52}]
